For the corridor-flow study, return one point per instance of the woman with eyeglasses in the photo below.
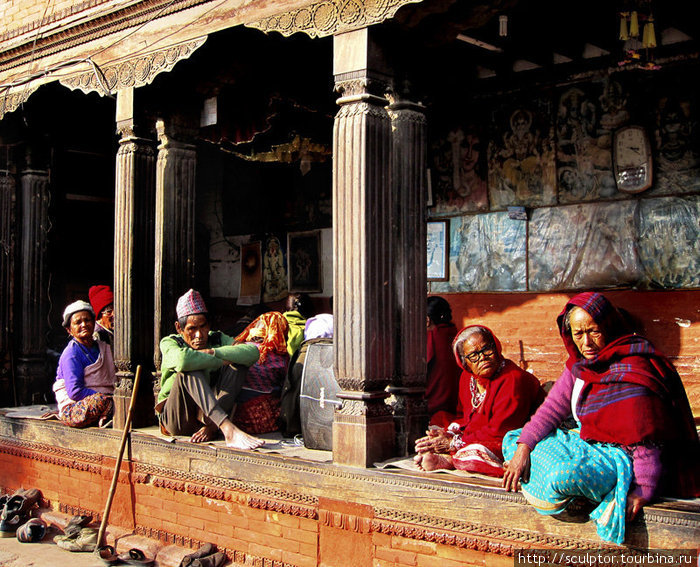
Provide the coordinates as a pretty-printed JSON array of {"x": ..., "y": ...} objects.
[
  {"x": 631, "y": 415},
  {"x": 495, "y": 396}
]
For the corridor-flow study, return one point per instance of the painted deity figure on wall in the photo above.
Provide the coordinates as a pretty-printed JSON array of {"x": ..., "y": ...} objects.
[
  {"x": 274, "y": 272},
  {"x": 458, "y": 167},
  {"x": 521, "y": 162},
  {"x": 585, "y": 125}
]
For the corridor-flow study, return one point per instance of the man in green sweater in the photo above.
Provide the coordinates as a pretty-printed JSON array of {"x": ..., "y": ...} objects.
[{"x": 202, "y": 372}]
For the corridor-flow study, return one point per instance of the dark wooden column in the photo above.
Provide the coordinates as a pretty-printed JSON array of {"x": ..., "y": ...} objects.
[
  {"x": 363, "y": 428},
  {"x": 32, "y": 379},
  {"x": 133, "y": 262},
  {"x": 175, "y": 226},
  {"x": 8, "y": 253},
  {"x": 409, "y": 130}
]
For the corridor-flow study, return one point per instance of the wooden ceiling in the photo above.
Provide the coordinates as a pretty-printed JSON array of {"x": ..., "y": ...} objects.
[{"x": 545, "y": 35}]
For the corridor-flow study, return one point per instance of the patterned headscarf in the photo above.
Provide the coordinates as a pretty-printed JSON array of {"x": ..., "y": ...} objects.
[
  {"x": 604, "y": 313},
  {"x": 268, "y": 332}
]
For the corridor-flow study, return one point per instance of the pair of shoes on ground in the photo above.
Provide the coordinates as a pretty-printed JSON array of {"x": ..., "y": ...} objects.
[
  {"x": 16, "y": 510},
  {"x": 134, "y": 556},
  {"x": 205, "y": 556},
  {"x": 75, "y": 524},
  {"x": 85, "y": 539}
]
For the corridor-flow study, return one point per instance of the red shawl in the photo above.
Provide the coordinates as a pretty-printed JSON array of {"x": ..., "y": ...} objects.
[
  {"x": 511, "y": 396},
  {"x": 633, "y": 394}
]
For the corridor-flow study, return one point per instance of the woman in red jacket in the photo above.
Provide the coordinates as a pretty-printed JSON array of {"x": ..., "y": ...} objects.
[{"x": 495, "y": 396}]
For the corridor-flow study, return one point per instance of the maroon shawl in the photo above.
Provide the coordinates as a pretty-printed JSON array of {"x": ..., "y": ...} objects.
[{"x": 633, "y": 394}]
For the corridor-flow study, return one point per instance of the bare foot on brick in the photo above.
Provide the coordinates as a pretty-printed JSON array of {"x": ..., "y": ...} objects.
[
  {"x": 237, "y": 439},
  {"x": 206, "y": 433},
  {"x": 433, "y": 462}
]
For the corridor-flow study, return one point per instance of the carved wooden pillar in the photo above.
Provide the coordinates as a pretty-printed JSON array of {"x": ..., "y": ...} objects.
[
  {"x": 7, "y": 253},
  {"x": 32, "y": 378},
  {"x": 409, "y": 130},
  {"x": 363, "y": 428},
  {"x": 133, "y": 264},
  {"x": 175, "y": 228}
]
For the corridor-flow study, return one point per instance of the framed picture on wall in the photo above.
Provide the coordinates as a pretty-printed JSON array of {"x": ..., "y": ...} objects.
[
  {"x": 304, "y": 257},
  {"x": 251, "y": 274},
  {"x": 438, "y": 250}
]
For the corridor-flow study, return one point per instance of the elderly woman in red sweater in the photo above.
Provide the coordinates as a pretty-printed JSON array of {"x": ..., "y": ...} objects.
[{"x": 495, "y": 396}]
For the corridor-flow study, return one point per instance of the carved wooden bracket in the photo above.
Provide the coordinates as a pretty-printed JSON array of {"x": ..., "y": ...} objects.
[
  {"x": 134, "y": 72},
  {"x": 10, "y": 100},
  {"x": 330, "y": 17}
]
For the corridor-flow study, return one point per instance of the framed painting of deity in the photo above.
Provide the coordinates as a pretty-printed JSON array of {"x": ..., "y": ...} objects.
[{"x": 304, "y": 254}]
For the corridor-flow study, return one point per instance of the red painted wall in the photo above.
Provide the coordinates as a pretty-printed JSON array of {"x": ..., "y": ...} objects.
[{"x": 670, "y": 319}]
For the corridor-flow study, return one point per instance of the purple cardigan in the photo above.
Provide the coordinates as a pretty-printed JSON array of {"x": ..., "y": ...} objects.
[{"x": 646, "y": 459}]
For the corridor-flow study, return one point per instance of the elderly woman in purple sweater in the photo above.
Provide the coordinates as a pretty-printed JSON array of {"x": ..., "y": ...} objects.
[
  {"x": 85, "y": 377},
  {"x": 631, "y": 415}
]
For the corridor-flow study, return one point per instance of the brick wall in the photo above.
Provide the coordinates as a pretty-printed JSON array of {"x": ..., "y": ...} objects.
[
  {"x": 338, "y": 534},
  {"x": 670, "y": 319}
]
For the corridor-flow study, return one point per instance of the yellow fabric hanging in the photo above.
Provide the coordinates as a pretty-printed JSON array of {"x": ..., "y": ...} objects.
[
  {"x": 649, "y": 37},
  {"x": 624, "y": 35},
  {"x": 634, "y": 24}
]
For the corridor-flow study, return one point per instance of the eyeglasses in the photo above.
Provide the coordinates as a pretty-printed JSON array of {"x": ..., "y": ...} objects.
[
  {"x": 477, "y": 355},
  {"x": 107, "y": 311}
]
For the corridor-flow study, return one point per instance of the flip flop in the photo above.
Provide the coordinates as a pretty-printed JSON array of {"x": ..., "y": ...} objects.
[
  {"x": 108, "y": 555},
  {"x": 135, "y": 557}
]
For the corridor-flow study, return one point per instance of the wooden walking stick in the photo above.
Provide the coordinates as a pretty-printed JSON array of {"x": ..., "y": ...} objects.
[{"x": 125, "y": 434}]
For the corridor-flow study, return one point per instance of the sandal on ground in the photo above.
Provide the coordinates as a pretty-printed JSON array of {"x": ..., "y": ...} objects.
[
  {"x": 135, "y": 557},
  {"x": 108, "y": 555}
]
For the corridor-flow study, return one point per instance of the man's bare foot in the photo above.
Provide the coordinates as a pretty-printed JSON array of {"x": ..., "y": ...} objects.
[
  {"x": 433, "y": 462},
  {"x": 206, "y": 433},
  {"x": 237, "y": 439}
]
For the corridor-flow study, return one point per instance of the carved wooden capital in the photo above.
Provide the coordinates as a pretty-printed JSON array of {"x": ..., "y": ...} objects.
[
  {"x": 135, "y": 72},
  {"x": 331, "y": 17}
]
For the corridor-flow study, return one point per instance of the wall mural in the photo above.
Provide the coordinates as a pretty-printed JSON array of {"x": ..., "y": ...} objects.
[
  {"x": 677, "y": 143},
  {"x": 542, "y": 153},
  {"x": 669, "y": 241},
  {"x": 487, "y": 253},
  {"x": 521, "y": 156},
  {"x": 458, "y": 172},
  {"x": 585, "y": 124}
]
